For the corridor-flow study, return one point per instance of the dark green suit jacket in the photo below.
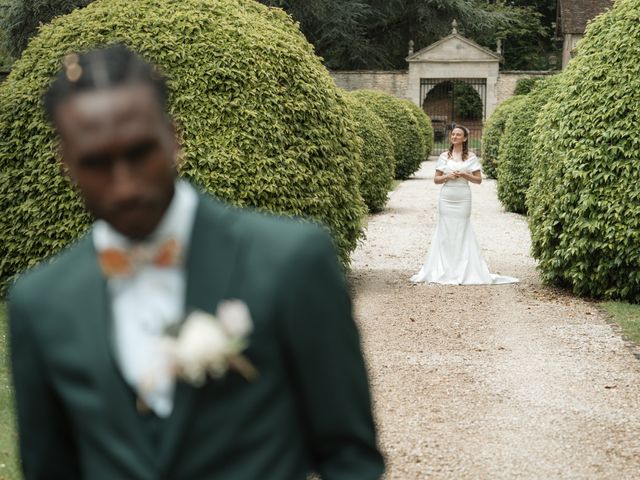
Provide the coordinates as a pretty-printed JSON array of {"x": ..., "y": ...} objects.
[{"x": 309, "y": 409}]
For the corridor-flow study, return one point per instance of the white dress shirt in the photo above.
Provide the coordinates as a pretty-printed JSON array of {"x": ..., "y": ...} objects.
[{"x": 145, "y": 303}]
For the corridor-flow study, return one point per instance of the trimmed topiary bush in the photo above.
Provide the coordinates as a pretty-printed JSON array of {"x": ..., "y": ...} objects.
[
  {"x": 261, "y": 121},
  {"x": 584, "y": 202},
  {"x": 377, "y": 155},
  {"x": 408, "y": 148},
  {"x": 515, "y": 159},
  {"x": 424, "y": 123},
  {"x": 492, "y": 134},
  {"x": 525, "y": 85},
  {"x": 467, "y": 102}
]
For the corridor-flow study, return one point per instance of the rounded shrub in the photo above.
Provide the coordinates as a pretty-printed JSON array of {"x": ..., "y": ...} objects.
[
  {"x": 467, "y": 102},
  {"x": 424, "y": 123},
  {"x": 515, "y": 158},
  {"x": 377, "y": 155},
  {"x": 584, "y": 201},
  {"x": 261, "y": 121},
  {"x": 492, "y": 134},
  {"x": 408, "y": 147},
  {"x": 525, "y": 85}
]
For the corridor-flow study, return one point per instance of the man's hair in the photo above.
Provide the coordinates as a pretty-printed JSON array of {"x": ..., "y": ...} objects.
[{"x": 110, "y": 67}]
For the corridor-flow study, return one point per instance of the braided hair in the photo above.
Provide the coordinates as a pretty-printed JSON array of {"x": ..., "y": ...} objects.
[
  {"x": 110, "y": 67},
  {"x": 465, "y": 145}
]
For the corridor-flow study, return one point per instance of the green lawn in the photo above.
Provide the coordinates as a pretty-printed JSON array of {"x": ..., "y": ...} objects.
[
  {"x": 8, "y": 459},
  {"x": 627, "y": 316}
]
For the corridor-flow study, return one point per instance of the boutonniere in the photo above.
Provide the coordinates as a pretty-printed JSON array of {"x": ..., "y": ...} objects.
[{"x": 210, "y": 345}]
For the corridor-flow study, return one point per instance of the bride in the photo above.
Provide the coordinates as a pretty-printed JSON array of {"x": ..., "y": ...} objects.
[{"x": 454, "y": 256}]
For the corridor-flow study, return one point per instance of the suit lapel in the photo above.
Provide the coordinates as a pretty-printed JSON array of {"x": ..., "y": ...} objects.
[
  {"x": 93, "y": 317},
  {"x": 210, "y": 266}
]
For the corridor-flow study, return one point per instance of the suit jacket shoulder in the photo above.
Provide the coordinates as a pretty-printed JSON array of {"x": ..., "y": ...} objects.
[
  {"x": 51, "y": 279},
  {"x": 268, "y": 238}
]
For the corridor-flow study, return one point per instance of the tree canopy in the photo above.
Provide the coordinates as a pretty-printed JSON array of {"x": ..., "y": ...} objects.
[{"x": 368, "y": 34}]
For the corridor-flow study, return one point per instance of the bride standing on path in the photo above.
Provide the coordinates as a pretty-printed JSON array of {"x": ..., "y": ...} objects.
[{"x": 454, "y": 256}]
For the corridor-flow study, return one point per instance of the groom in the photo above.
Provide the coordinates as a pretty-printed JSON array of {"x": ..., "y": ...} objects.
[{"x": 85, "y": 327}]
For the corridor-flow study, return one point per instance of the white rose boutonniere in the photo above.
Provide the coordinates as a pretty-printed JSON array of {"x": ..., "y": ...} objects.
[{"x": 211, "y": 345}]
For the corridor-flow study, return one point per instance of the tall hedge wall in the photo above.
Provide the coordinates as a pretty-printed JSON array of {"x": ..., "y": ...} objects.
[
  {"x": 377, "y": 155},
  {"x": 515, "y": 158},
  {"x": 261, "y": 121},
  {"x": 492, "y": 134},
  {"x": 424, "y": 124},
  {"x": 408, "y": 147},
  {"x": 584, "y": 202}
]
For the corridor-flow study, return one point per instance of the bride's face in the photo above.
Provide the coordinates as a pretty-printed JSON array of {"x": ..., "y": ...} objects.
[{"x": 457, "y": 136}]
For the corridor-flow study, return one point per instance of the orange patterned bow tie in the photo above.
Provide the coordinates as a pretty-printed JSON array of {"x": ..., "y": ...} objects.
[{"x": 115, "y": 262}]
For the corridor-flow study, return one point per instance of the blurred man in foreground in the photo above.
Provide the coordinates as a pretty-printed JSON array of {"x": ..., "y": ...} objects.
[{"x": 120, "y": 369}]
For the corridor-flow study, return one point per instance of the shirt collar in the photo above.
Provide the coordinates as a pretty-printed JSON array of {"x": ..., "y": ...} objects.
[{"x": 177, "y": 222}]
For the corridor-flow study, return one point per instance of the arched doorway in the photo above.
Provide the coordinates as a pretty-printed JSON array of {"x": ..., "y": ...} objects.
[
  {"x": 454, "y": 80},
  {"x": 452, "y": 101}
]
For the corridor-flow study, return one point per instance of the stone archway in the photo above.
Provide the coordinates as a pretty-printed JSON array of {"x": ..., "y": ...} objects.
[
  {"x": 454, "y": 62},
  {"x": 454, "y": 101}
]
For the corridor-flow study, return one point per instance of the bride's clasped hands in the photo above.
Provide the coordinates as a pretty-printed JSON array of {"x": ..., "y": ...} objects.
[{"x": 461, "y": 174}]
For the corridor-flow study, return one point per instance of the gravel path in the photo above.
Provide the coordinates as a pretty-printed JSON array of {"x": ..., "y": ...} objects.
[{"x": 488, "y": 382}]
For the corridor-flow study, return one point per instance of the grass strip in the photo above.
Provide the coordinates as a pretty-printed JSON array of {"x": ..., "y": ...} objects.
[{"x": 627, "y": 316}]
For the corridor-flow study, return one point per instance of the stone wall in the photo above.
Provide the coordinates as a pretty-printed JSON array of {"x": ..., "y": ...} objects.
[
  {"x": 396, "y": 82},
  {"x": 393, "y": 82},
  {"x": 507, "y": 80}
]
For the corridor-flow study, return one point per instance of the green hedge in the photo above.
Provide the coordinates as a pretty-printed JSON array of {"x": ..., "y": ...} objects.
[
  {"x": 525, "y": 85},
  {"x": 492, "y": 134},
  {"x": 515, "y": 158},
  {"x": 424, "y": 123},
  {"x": 408, "y": 147},
  {"x": 584, "y": 202},
  {"x": 377, "y": 155},
  {"x": 467, "y": 102},
  {"x": 261, "y": 121}
]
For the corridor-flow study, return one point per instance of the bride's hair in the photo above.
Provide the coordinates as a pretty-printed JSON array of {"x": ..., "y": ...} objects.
[{"x": 465, "y": 145}]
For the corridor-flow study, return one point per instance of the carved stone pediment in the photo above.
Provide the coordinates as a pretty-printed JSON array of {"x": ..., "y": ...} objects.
[{"x": 454, "y": 49}]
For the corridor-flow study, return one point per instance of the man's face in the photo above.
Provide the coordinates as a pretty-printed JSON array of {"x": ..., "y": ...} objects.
[{"x": 119, "y": 150}]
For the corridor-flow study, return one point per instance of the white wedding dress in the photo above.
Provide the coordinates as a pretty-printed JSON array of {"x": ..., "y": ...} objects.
[{"x": 454, "y": 256}]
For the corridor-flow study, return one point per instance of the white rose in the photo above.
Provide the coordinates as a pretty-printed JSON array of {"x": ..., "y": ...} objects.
[
  {"x": 202, "y": 347},
  {"x": 235, "y": 318}
]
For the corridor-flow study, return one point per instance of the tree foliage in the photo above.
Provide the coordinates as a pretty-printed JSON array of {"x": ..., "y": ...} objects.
[
  {"x": 515, "y": 157},
  {"x": 424, "y": 124},
  {"x": 261, "y": 121},
  {"x": 408, "y": 146},
  {"x": 492, "y": 135},
  {"x": 353, "y": 34},
  {"x": 466, "y": 102},
  {"x": 528, "y": 42},
  {"x": 584, "y": 201},
  {"x": 337, "y": 28},
  {"x": 371, "y": 33},
  {"x": 525, "y": 85},
  {"x": 23, "y": 17},
  {"x": 377, "y": 155}
]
